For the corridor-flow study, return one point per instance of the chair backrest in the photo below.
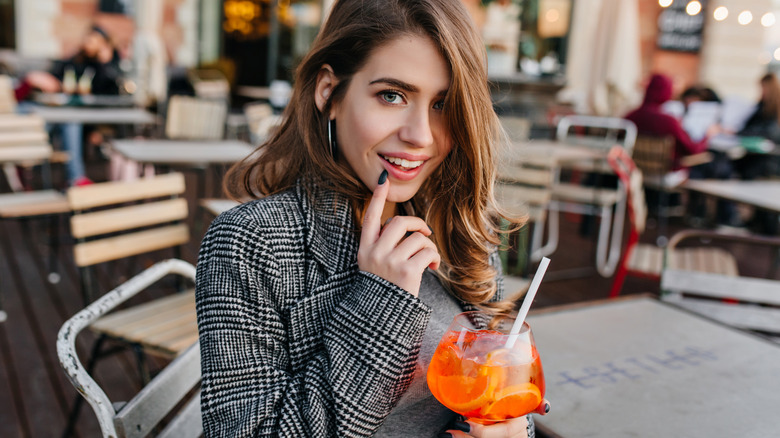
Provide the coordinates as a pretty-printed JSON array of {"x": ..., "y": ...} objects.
[
  {"x": 190, "y": 118},
  {"x": 7, "y": 96},
  {"x": 174, "y": 386},
  {"x": 653, "y": 155},
  {"x": 524, "y": 188},
  {"x": 108, "y": 227},
  {"x": 601, "y": 132},
  {"x": 23, "y": 139},
  {"x": 744, "y": 302},
  {"x": 261, "y": 121},
  {"x": 518, "y": 129}
]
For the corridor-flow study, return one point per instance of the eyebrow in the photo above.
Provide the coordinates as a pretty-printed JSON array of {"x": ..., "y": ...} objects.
[{"x": 409, "y": 88}]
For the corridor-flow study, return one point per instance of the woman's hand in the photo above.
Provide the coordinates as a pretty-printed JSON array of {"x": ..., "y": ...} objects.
[
  {"x": 514, "y": 428},
  {"x": 400, "y": 251}
]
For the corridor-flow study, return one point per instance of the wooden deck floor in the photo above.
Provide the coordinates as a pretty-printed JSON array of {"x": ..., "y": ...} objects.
[{"x": 35, "y": 396}]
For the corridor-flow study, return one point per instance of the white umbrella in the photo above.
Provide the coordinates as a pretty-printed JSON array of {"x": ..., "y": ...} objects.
[{"x": 603, "y": 68}]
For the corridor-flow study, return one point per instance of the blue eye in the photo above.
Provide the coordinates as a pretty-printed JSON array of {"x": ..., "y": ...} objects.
[{"x": 391, "y": 97}]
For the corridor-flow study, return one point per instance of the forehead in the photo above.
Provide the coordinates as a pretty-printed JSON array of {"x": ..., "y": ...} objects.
[{"x": 413, "y": 59}]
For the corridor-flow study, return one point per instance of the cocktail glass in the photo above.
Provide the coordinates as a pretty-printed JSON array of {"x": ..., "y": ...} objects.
[{"x": 479, "y": 374}]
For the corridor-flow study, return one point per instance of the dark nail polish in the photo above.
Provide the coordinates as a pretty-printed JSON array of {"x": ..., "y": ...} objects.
[
  {"x": 383, "y": 177},
  {"x": 461, "y": 426},
  {"x": 546, "y": 408},
  {"x": 444, "y": 435},
  {"x": 408, "y": 233}
]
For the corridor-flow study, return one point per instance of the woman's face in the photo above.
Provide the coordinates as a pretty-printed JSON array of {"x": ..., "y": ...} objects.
[{"x": 391, "y": 117}]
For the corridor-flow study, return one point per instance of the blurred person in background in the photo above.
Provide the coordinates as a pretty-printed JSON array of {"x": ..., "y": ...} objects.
[
  {"x": 650, "y": 120},
  {"x": 94, "y": 69},
  {"x": 764, "y": 123}
]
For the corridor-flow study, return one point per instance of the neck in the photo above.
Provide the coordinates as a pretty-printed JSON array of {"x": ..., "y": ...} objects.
[{"x": 389, "y": 211}]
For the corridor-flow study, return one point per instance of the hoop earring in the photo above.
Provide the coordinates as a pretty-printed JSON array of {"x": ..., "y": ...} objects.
[{"x": 332, "y": 146}]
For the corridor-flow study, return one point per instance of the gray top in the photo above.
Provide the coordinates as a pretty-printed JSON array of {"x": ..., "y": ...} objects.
[{"x": 418, "y": 413}]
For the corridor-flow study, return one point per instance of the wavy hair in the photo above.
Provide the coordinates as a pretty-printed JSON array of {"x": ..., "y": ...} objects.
[{"x": 457, "y": 201}]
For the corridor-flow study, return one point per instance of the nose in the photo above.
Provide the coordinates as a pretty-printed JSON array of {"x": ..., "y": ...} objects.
[{"x": 416, "y": 129}]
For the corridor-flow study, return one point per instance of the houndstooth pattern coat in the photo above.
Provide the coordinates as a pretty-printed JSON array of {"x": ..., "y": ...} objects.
[{"x": 296, "y": 341}]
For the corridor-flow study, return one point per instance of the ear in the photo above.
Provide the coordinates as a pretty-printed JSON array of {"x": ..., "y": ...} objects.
[{"x": 326, "y": 83}]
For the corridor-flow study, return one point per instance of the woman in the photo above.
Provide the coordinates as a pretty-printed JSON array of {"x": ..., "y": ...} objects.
[{"x": 312, "y": 324}]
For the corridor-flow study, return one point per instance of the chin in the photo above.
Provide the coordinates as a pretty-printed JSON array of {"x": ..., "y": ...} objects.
[{"x": 399, "y": 196}]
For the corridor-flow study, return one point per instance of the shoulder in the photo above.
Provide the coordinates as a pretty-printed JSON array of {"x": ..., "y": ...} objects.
[{"x": 257, "y": 225}]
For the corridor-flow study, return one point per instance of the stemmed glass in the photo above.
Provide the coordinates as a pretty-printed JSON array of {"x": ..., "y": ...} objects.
[{"x": 483, "y": 374}]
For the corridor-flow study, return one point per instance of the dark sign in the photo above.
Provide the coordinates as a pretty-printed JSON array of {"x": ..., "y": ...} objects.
[{"x": 678, "y": 31}]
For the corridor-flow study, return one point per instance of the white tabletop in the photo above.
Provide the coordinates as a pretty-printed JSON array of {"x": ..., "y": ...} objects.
[
  {"x": 641, "y": 368},
  {"x": 117, "y": 116},
  {"x": 762, "y": 194},
  {"x": 183, "y": 152}
]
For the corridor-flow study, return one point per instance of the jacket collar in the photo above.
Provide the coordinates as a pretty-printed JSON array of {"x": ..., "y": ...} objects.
[{"x": 331, "y": 231}]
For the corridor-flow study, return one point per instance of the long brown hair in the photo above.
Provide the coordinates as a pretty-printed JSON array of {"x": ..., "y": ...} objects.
[{"x": 457, "y": 200}]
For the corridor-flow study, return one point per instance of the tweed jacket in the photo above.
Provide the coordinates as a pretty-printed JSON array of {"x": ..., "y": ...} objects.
[{"x": 296, "y": 341}]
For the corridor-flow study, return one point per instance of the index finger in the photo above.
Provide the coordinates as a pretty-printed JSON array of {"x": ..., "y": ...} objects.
[{"x": 373, "y": 216}]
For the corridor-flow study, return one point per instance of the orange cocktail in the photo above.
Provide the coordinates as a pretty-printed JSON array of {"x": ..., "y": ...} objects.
[{"x": 478, "y": 374}]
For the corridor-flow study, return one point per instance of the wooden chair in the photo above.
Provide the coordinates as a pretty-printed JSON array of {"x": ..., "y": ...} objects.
[
  {"x": 7, "y": 97},
  {"x": 654, "y": 157},
  {"x": 609, "y": 204},
  {"x": 24, "y": 142},
  {"x": 647, "y": 260},
  {"x": 524, "y": 189},
  {"x": 190, "y": 118},
  {"x": 171, "y": 387},
  {"x": 743, "y": 302},
  {"x": 261, "y": 121},
  {"x": 115, "y": 220}
]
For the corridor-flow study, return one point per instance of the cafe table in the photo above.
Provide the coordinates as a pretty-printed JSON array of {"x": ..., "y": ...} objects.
[
  {"x": 764, "y": 194},
  {"x": 638, "y": 367},
  {"x": 183, "y": 153},
  {"x": 95, "y": 115}
]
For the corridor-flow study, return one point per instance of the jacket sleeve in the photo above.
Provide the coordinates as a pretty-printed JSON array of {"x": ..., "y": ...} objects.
[{"x": 346, "y": 386}]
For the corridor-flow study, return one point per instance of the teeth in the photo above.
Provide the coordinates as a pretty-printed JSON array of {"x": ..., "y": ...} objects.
[{"x": 403, "y": 163}]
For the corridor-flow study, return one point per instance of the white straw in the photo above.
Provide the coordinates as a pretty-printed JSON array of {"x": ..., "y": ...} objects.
[{"x": 529, "y": 298}]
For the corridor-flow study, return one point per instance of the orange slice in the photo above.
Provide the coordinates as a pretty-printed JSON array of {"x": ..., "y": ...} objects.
[
  {"x": 463, "y": 393},
  {"x": 513, "y": 401}
]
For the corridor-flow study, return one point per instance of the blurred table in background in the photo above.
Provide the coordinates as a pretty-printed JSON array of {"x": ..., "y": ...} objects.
[
  {"x": 92, "y": 115},
  {"x": 639, "y": 367},
  {"x": 763, "y": 194}
]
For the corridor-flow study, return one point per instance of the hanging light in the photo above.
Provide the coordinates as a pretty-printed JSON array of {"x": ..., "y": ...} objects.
[
  {"x": 720, "y": 13},
  {"x": 693, "y": 8},
  {"x": 768, "y": 19},
  {"x": 745, "y": 17},
  {"x": 777, "y": 54},
  {"x": 665, "y": 3}
]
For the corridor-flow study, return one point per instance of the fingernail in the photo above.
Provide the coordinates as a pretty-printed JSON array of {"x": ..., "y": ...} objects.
[
  {"x": 444, "y": 435},
  {"x": 462, "y": 426},
  {"x": 408, "y": 233},
  {"x": 546, "y": 408},
  {"x": 383, "y": 177}
]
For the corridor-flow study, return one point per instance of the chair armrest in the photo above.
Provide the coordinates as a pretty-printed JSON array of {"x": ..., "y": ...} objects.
[
  {"x": 752, "y": 239},
  {"x": 66, "y": 338},
  {"x": 696, "y": 159}
]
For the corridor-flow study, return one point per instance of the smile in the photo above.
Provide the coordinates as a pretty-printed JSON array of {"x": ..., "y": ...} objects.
[{"x": 405, "y": 164}]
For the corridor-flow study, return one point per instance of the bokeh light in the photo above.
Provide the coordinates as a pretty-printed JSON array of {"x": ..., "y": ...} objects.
[
  {"x": 745, "y": 17},
  {"x": 768, "y": 19},
  {"x": 720, "y": 13},
  {"x": 693, "y": 8}
]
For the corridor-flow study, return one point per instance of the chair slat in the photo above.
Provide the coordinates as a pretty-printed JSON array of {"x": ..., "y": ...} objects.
[
  {"x": 15, "y": 138},
  {"x": 188, "y": 423},
  {"x": 127, "y": 218},
  {"x": 102, "y": 194},
  {"x": 36, "y": 152},
  {"x": 757, "y": 290},
  {"x": 585, "y": 195},
  {"x": 121, "y": 318},
  {"x": 738, "y": 315},
  {"x": 103, "y": 250},
  {"x": 18, "y": 122},
  {"x": 141, "y": 414},
  {"x": 36, "y": 203}
]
